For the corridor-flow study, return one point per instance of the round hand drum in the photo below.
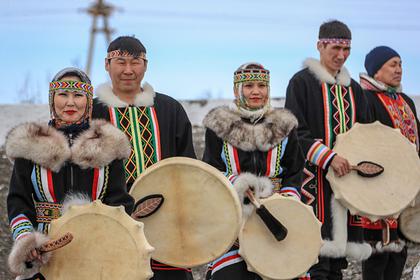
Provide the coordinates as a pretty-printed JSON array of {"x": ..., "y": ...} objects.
[
  {"x": 291, "y": 257},
  {"x": 200, "y": 216},
  {"x": 410, "y": 221},
  {"x": 107, "y": 244},
  {"x": 387, "y": 194}
]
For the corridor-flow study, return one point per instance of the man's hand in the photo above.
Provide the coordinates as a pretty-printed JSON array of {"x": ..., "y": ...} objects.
[{"x": 340, "y": 165}]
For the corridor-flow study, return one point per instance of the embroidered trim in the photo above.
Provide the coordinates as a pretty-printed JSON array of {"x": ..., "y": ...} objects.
[
  {"x": 47, "y": 211},
  {"x": 119, "y": 53},
  {"x": 141, "y": 126},
  {"x": 20, "y": 226},
  {"x": 251, "y": 75},
  {"x": 319, "y": 154},
  {"x": 340, "y": 41},
  {"x": 72, "y": 86}
]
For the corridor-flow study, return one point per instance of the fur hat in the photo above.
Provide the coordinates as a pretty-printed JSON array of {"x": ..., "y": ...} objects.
[{"x": 377, "y": 57}]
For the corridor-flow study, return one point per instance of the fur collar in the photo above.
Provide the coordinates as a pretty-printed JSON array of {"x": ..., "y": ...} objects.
[
  {"x": 106, "y": 95},
  {"x": 263, "y": 136},
  {"x": 369, "y": 83},
  {"x": 318, "y": 70},
  {"x": 44, "y": 145}
]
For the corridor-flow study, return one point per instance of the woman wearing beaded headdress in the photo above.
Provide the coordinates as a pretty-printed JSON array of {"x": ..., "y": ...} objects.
[
  {"x": 70, "y": 160},
  {"x": 254, "y": 145}
]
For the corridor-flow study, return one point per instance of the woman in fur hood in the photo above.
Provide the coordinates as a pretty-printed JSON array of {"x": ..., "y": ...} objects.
[
  {"x": 69, "y": 158},
  {"x": 254, "y": 145}
]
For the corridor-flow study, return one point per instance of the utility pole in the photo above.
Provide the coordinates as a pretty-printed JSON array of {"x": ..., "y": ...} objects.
[{"x": 97, "y": 10}]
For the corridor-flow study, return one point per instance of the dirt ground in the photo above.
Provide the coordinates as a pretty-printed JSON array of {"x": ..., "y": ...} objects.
[{"x": 351, "y": 273}]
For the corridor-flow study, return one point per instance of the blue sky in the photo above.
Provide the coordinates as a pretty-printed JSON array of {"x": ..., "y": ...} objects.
[{"x": 194, "y": 46}]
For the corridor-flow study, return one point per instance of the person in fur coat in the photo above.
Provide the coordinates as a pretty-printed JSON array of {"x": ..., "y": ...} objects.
[
  {"x": 327, "y": 102},
  {"x": 155, "y": 123},
  {"x": 71, "y": 160},
  {"x": 255, "y": 146},
  {"x": 390, "y": 106}
]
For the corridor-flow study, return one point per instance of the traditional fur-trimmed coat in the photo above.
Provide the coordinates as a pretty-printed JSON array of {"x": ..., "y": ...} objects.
[
  {"x": 46, "y": 169},
  {"x": 49, "y": 166},
  {"x": 395, "y": 110},
  {"x": 326, "y": 106},
  {"x": 265, "y": 155},
  {"x": 156, "y": 125}
]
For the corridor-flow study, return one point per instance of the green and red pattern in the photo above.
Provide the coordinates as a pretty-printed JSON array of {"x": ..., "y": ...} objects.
[{"x": 141, "y": 126}]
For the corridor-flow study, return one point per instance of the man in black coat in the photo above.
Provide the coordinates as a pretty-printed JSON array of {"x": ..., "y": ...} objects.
[
  {"x": 156, "y": 124},
  {"x": 327, "y": 102},
  {"x": 387, "y": 103}
]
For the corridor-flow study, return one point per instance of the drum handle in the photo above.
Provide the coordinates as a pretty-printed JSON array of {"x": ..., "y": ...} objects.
[
  {"x": 385, "y": 233},
  {"x": 275, "y": 226}
]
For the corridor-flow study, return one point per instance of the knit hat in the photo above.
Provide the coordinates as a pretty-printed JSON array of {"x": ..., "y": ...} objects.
[
  {"x": 377, "y": 57},
  {"x": 84, "y": 86}
]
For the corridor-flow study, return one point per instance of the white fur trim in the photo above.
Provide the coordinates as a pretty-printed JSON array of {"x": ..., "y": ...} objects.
[
  {"x": 100, "y": 145},
  {"x": 263, "y": 136},
  {"x": 318, "y": 70},
  {"x": 378, "y": 84},
  {"x": 336, "y": 247},
  {"x": 263, "y": 187},
  {"x": 106, "y": 95},
  {"x": 339, "y": 247},
  {"x": 358, "y": 251},
  {"x": 39, "y": 143},
  {"x": 20, "y": 251},
  {"x": 44, "y": 145},
  {"x": 395, "y": 246},
  {"x": 74, "y": 199}
]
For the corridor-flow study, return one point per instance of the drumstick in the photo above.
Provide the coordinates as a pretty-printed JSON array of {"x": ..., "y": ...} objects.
[
  {"x": 368, "y": 169},
  {"x": 274, "y": 225},
  {"x": 53, "y": 245},
  {"x": 56, "y": 243}
]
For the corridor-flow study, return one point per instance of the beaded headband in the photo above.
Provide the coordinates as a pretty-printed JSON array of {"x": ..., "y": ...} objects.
[
  {"x": 119, "y": 53},
  {"x": 248, "y": 75},
  {"x": 340, "y": 41},
  {"x": 72, "y": 85}
]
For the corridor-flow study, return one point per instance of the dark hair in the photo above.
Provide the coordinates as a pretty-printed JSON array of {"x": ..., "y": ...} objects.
[
  {"x": 334, "y": 29},
  {"x": 128, "y": 44}
]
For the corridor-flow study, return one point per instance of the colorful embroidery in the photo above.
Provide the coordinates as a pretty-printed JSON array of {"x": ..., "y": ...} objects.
[
  {"x": 20, "y": 226},
  {"x": 402, "y": 116},
  {"x": 119, "y": 53},
  {"x": 339, "y": 111},
  {"x": 340, "y": 41},
  {"x": 319, "y": 154},
  {"x": 141, "y": 126},
  {"x": 251, "y": 75},
  {"x": 46, "y": 211},
  {"x": 72, "y": 86}
]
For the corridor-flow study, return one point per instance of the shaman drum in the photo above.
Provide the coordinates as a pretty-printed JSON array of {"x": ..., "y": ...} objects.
[
  {"x": 200, "y": 216},
  {"x": 291, "y": 257},
  {"x": 107, "y": 244},
  {"x": 410, "y": 221},
  {"x": 387, "y": 194}
]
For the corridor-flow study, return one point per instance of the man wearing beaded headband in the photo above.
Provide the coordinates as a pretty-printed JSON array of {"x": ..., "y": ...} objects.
[
  {"x": 156, "y": 124},
  {"x": 255, "y": 146},
  {"x": 327, "y": 102}
]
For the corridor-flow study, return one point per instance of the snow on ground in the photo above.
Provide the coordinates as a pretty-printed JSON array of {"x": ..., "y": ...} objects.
[{"x": 12, "y": 115}]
